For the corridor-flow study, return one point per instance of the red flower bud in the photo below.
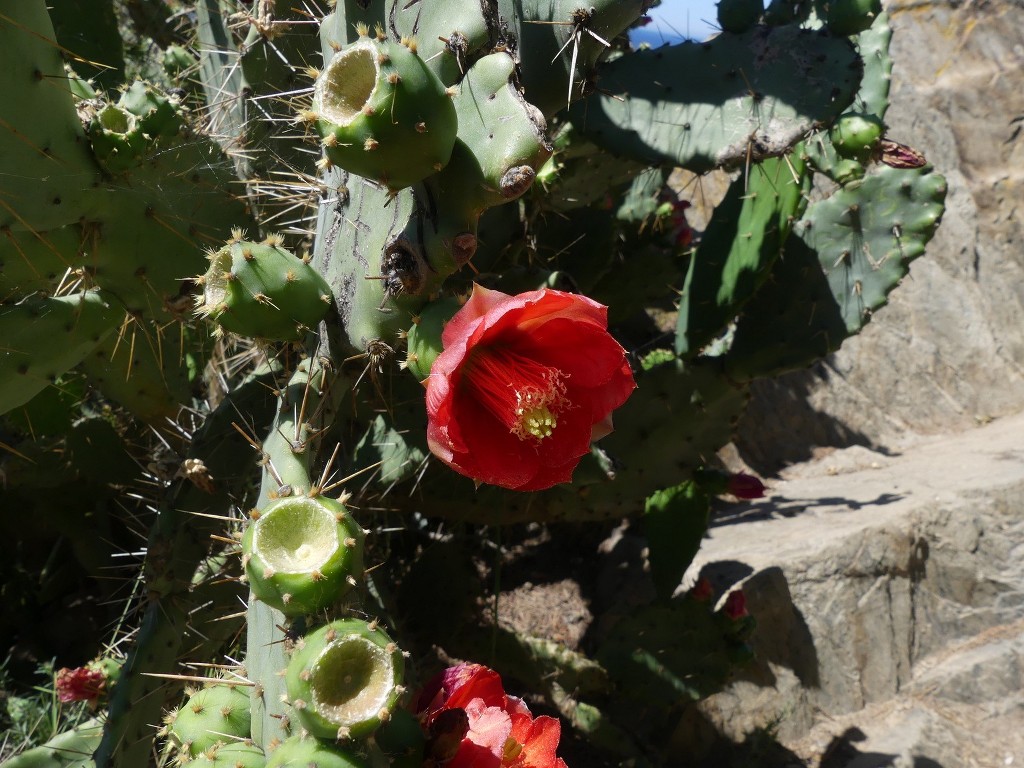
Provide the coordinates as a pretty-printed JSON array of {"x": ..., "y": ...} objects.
[
  {"x": 744, "y": 486},
  {"x": 735, "y": 605},
  {"x": 522, "y": 387},
  {"x": 701, "y": 591}
]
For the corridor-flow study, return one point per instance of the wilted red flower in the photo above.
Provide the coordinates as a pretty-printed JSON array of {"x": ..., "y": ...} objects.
[
  {"x": 702, "y": 591},
  {"x": 498, "y": 730},
  {"x": 80, "y": 684},
  {"x": 744, "y": 486},
  {"x": 735, "y": 605},
  {"x": 524, "y": 384}
]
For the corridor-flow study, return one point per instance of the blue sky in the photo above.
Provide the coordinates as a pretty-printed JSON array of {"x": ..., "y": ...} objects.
[{"x": 675, "y": 20}]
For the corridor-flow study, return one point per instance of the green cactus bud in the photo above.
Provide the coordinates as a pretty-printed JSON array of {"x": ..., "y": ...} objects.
[
  {"x": 739, "y": 15},
  {"x": 263, "y": 291},
  {"x": 301, "y": 554},
  {"x": 425, "y": 336},
  {"x": 297, "y": 752},
  {"x": 849, "y": 17},
  {"x": 177, "y": 60},
  {"x": 345, "y": 679},
  {"x": 211, "y": 715},
  {"x": 855, "y": 135},
  {"x": 383, "y": 114}
]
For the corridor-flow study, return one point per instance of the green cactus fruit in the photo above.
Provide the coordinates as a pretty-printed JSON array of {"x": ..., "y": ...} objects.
[
  {"x": 424, "y": 343},
  {"x": 345, "y": 679},
  {"x": 856, "y": 135},
  {"x": 402, "y": 739},
  {"x": 848, "y": 17},
  {"x": 45, "y": 336},
  {"x": 261, "y": 290},
  {"x": 177, "y": 60},
  {"x": 383, "y": 114},
  {"x": 236, "y": 754},
  {"x": 297, "y": 752},
  {"x": 301, "y": 554},
  {"x": 739, "y": 15},
  {"x": 504, "y": 133},
  {"x": 217, "y": 713},
  {"x": 124, "y": 134},
  {"x": 781, "y": 12}
]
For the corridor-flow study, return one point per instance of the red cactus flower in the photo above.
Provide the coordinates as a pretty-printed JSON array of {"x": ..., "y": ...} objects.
[
  {"x": 524, "y": 384},
  {"x": 744, "y": 486},
  {"x": 80, "y": 684},
  {"x": 497, "y": 731}
]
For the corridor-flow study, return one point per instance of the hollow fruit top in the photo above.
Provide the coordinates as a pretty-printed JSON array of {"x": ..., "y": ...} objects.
[
  {"x": 296, "y": 537},
  {"x": 351, "y": 680},
  {"x": 348, "y": 83}
]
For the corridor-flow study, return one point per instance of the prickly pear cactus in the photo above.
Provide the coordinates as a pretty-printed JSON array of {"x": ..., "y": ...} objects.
[{"x": 461, "y": 230}]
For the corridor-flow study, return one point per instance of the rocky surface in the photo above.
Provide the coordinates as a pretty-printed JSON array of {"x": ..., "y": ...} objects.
[
  {"x": 948, "y": 352},
  {"x": 889, "y": 595}
]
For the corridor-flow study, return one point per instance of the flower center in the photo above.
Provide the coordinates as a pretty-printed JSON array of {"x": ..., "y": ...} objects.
[{"x": 523, "y": 394}]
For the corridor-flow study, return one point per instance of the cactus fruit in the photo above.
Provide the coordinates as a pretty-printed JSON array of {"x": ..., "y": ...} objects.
[
  {"x": 236, "y": 754},
  {"x": 298, "y": 752},
  {"x": 848, "y": 17},
  {"x": 424, "y": 337},
  {"x": 856, "y": 136},
  {"x": 261, "y": 290},
  {"x": 383, "y": 114},
  {"x": 301, "y": 554},
  {"x": 739, "y": 15},
  {"x": 217, "y": 713},
  {"x": 345, "y": 679}
]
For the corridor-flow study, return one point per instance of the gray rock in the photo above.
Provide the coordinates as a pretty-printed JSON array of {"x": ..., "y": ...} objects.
[
  {"x": 889, "y": 597},
  {"x": 948, "y": 351}
]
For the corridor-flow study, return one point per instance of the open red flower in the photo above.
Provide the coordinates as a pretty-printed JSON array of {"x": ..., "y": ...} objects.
[
  {"x": 524, "y": 384},
  {"x": 492, "y": 730}
]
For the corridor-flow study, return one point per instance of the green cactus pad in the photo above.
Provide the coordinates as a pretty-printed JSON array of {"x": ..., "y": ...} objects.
[
  {"x": 49, "y": 175},
  {"x": 302, "y": 554},
  {"x": 563, "y": 40},
  {"x": 848, "y": 17},
  {"x": 217, "y": 713},
  {"x": 149, "y": 370},
  {"x": 744, "y": 97},
  {"x": 36, "y": 261},
  {"x": 261, "y": 290},
  {"x": 345, "y": 679},
  {"x": 71, "y": 749},
  {"x": 741, "y": 242},
  {"x": 45, "y": 336},
  {"x": 297, "y": 752},
  {"x": 846, "y": 255},
  {"x": 383, "y": 114}
]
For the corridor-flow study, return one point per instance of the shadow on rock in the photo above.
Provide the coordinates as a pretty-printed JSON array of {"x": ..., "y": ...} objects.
[{"x": 781, "y": 427}]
